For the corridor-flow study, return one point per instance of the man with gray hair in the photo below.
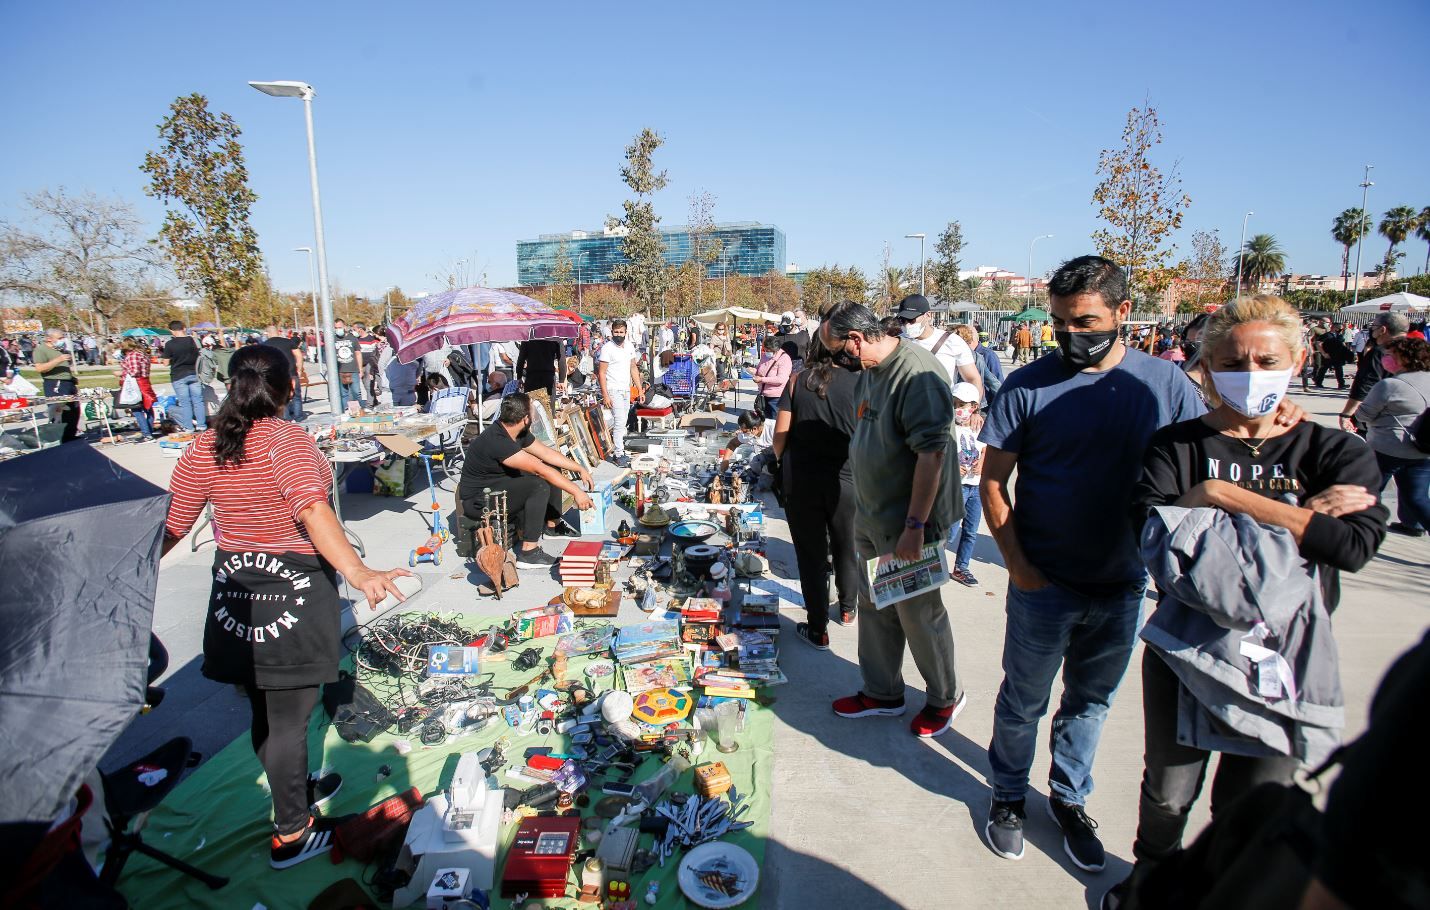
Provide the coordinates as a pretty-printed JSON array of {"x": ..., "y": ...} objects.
[
  {"x": 56, "y": 372},
  {"x": 1385, "y": 328},
  {"x": 906, "y": 494}
]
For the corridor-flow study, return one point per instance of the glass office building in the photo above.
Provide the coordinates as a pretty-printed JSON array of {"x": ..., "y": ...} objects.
[{"x": 746, "y": 248}]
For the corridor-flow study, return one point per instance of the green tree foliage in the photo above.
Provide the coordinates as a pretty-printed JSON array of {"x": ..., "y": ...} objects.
[
  {"x": 644, "y": 275},
  {"x": 1397, "y": 225},
  {"x": 1207, "y": 267},
  {"x": 1141, "y": 206},
  {"x": 1330, "y": 301},
  {"x": 831, "y": 284},
  {"x": 705, "y": 247},
  {"x": 1422, "y": 231},
  {"x": 199, "y": 175},
  {"x": 563, "y": 290},
  {"x": 944, "y": 267},
  {"x": 1261, "y": 258},
  {"x": 1348, "y": 228}
]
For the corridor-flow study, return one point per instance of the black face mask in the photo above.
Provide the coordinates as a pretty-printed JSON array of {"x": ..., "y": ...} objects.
[
  {"x": 848, "y": 361},
  {"x": 1081, "y": 350}
]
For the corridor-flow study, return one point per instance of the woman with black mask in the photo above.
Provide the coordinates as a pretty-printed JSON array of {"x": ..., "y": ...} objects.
[
  {"x": 812, "y": 430},
  {"x": 272, "y": 624}
]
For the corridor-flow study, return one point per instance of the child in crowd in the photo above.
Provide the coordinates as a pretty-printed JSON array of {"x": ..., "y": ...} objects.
[
  {"x": 755, "y": 430},
  {"x": 963, "y": 534}
]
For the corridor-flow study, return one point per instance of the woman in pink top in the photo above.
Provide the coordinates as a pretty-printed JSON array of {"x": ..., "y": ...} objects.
[{"x": 771, "y": 376}]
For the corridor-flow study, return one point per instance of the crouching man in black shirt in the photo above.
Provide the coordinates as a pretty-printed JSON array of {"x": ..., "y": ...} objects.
[{"x": 506, "y": 456}]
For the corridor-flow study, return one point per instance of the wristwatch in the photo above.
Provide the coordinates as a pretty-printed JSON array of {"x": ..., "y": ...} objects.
[{"x": 914, "y": 524}]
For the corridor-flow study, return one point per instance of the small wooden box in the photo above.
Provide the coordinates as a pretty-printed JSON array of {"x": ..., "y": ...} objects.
[{"x": 711, "y": 780}]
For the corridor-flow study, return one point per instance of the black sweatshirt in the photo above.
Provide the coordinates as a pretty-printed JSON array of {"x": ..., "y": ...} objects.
[{"x": 1292, "y": 467}]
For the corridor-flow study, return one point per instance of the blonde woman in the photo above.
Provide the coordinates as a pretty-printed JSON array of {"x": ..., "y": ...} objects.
[{"x": 1316, "y": 482}]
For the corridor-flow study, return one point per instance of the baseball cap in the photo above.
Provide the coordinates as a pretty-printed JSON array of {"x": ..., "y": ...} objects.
[
  {"x": 912, "y": 307},
  {"x": 786, "y": 318},
  {"x": 965, "y": 391}
]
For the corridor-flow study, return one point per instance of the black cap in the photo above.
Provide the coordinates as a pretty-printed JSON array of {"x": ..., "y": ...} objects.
[{"x": 912, "y": 307}]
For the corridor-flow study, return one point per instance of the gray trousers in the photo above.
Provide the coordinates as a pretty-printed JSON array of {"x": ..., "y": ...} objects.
[{"x": 922, "y": 623}]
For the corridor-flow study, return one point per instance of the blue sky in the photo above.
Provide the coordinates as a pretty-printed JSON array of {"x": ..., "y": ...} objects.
[{"x": 449, "y": 130}]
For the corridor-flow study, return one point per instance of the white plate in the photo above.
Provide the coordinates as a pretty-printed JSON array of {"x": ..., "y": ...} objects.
[{"x": 727, "y": 858}]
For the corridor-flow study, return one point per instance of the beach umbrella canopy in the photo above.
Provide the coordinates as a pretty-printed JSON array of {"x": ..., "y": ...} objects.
[
  {"x": 734, "y": 314},
  {"x": 77, "y": 601},
  {"x": 472, "y": 316},
  {"x": 1398, "y": 302},
  {"x": 144, "y": 333},
  {"x": 1031, "y": 314},
  {"x": 964, "y": 306}
]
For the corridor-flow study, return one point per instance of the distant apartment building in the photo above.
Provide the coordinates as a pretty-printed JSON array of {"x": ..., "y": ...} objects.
[
  {"x": 746, "y": 248},
  {"x": 991, "y": 274}
]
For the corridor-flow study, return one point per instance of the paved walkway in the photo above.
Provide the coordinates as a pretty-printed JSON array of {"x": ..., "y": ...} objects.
[{"x": 865, "y": 814}]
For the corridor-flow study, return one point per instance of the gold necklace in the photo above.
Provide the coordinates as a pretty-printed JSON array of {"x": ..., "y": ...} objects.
[{"x": 1255, "y": 449}]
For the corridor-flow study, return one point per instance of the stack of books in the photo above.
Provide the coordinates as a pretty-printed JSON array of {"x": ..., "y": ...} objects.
[{"x": 578, "y": 563}]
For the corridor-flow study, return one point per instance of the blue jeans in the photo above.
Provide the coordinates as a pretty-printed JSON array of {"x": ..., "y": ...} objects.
[
  {"x": 964, "y": 534},
  {"x": 144, "y": 420},
  {"x": 1092, "y": 639},
  {"x": 351, "y": 390},
  {"x": 1412, "y": 488},
  {"x": 191, "y": 412}
]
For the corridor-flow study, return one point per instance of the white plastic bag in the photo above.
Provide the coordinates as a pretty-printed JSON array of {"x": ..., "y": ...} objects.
[
  {"x": 129, "y": 394},
  {"x": 23, "y": 387}
]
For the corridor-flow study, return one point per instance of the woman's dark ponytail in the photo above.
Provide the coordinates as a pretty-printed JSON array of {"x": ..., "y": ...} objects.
[{"x": 261, "y": 385}]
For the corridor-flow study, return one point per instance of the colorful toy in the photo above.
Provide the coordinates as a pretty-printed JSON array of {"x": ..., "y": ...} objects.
[
  {"x": 659, "y": 707},
  {"x": 431, "y": 551}
]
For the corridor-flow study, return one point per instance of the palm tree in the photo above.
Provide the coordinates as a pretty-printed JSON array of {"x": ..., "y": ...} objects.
[
  {"x": 1349, "y": 227},
  {"x": 1397, "y": 224},
  {"x": 1423, "y": 232},
  {"x": 1260, "y": 258}
]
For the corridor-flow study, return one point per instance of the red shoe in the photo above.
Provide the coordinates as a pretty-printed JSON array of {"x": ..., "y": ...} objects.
[
  {"x": 932, "y": 722},
  {"x": 861, "y": 705}
]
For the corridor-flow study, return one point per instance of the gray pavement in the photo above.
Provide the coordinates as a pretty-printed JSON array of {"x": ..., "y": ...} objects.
[{"x": 864, "y": 814}]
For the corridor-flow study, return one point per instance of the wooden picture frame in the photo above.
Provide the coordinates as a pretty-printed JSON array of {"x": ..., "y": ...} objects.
[
  {"x": 541, "y": 425},
  {"x": 599, "y": 430}
]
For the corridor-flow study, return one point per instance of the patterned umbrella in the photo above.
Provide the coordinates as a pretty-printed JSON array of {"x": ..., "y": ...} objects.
[{"x": 472, "y": 316}]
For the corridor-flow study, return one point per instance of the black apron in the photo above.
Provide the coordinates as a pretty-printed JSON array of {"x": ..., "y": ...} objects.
[{"x": 273, "y": 620}]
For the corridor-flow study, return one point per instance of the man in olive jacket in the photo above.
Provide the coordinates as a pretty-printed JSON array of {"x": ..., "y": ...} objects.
[{"x": 906, "y": 494}]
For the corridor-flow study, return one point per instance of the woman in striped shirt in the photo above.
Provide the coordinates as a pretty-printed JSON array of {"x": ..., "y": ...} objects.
[
  {"x": 273, "y": 617},
  {"x": 136, "y": 364}
]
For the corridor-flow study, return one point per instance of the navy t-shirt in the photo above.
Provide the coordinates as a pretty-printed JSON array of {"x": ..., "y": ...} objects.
[{"x": 1080, "y": 439}]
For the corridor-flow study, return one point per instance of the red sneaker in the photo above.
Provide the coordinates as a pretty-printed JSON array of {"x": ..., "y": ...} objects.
[
  {"x": 861, "y": 705},
  {"x": 935, "y": 721}
]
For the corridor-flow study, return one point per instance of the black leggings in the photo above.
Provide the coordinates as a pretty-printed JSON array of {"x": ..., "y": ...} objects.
[
  {"x": 820, "y": 512},
  {"x": 530, "y": 501},
  {"x": 280, "y": 739}
]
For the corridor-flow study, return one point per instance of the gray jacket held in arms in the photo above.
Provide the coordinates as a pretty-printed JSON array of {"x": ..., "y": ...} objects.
[{"x": 1219, "y": 575}]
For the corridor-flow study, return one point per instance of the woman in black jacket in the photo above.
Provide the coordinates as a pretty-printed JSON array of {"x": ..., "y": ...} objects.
[
  {"x": 1314, "y": 481},
  {"x": 812, "y": 430}
]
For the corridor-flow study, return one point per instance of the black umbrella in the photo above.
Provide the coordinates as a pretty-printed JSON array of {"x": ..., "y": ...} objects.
[{"x": 79, "y": 562}]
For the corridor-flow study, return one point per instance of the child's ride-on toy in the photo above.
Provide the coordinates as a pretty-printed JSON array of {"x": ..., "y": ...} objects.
[{"x": 431, "y": 551}]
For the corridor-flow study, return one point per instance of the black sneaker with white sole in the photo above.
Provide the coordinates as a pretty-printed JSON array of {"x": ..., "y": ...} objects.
[
  {"x": 315, "y": 840},
  {"x": 323, "y": 788},
  {"x": 1004, "y": 830},
  {"x": 535, "y": 559},
  {"x": 1080, "y": 841}
]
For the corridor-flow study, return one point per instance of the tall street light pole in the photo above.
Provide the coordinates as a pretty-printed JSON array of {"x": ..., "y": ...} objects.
[
  {"x": 1364, "y": 194},
  {"x": 1030, "y": 264},
  {"x": 305, "y": 91},
  {"x": 387, "y": 303},
  {"x": 921, "y": 259},
  {"x": 1241, "y": 253},
  {"x": 313, "y": 296}
]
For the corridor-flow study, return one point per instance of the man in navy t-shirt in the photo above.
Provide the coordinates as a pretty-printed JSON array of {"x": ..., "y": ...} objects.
[{"x": 1075, "y": 424}]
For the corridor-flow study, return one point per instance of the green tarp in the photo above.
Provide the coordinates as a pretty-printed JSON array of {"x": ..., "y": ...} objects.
[{"x": 220, "y": 817}]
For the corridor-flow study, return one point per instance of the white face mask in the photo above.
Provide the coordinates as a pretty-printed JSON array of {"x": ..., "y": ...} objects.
[
  {"x": 962, "y": 416},
  {"x": 1253, "y": 394}
]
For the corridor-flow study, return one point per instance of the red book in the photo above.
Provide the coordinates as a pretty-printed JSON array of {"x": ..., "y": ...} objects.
[{"x": 582, "y": 551}]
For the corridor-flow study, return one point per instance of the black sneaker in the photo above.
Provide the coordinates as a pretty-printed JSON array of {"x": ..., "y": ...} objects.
[
  {"x": 535, "y": 559},
  {"x": 321, "y": 789},
  {"x": 965, "y": 578},
  {"x": 1400, "y": 527},
  {"x": 562, "y": 528},
  {"x": 1115, "y": 896},
  {"x": 1080, "y": 841},
  {"x": 316, "y": 840},
  {"x": 1004, "y": 831},
  {"x": 845, "y": 616},
  {"x": 817, "y": 640}
]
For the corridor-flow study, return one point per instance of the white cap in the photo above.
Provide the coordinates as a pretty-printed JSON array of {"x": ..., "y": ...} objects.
[{"x": 965, "y": 391}]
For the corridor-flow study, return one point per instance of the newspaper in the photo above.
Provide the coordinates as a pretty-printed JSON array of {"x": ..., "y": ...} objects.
[{"x": 893, "y": 580}]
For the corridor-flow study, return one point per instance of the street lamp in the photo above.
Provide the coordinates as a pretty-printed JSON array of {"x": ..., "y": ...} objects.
[
  {"x": 1241, "y": 253},
  {"x": 921, "y": 258},
  {"x": 1364, "y": 193},
  {"x": 1030, "y": 264},
  {"x": 387, "y": 303},
  {"x": 313, "y": 296},
  {"x": 305, "y": 91}
]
